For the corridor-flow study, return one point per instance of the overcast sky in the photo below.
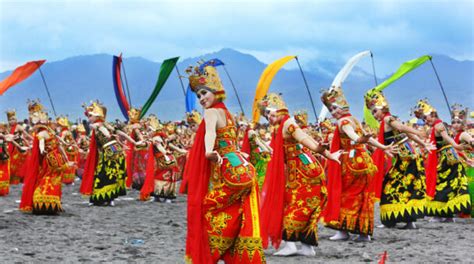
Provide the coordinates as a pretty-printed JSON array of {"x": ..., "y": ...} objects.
[{"x": 314, "y": 30}]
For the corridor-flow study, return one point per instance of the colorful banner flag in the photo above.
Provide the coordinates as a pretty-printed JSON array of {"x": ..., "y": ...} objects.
[
  {"x": 405, "y": 68},
  {"x": 341, "y": 77},
  {"x": 165, "y": 70},
  {"x": 265, "y": 81},
  {"x": 20, "y": 74},
  {"x": 213, "y": 62},
  {"x": 119, "y": 93}
]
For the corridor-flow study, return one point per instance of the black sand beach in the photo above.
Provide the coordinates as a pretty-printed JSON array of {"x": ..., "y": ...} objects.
[{"x": 152, "y": 232}]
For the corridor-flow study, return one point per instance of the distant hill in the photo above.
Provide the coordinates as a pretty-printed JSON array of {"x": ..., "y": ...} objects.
[{"x": 80, "y": 79}]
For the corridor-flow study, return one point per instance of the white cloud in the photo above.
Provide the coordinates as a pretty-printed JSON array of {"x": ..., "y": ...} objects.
[{"x": 329, "y": 30}]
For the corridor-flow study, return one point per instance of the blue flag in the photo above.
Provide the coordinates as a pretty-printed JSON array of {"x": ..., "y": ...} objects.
[{"x": 190, "y": 100}]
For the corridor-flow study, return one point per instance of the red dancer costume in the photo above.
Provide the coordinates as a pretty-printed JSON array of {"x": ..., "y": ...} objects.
[
  {"x": 294, "y": 192},
  {"x": 4, "y": 162},
  {"x": 223, "y": 217},
  {"x": 351, "y": 198},
  {"x": 136, "y": 160},
  {"x": 162, "y": 167},
  {"x": 17, "y": 156},
  {"x": 71, "y": 149},
  {"x": 42, "y": 187}
]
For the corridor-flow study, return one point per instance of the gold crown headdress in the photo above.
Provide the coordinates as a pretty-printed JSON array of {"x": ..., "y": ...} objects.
[
  {"x": 206, "y": 78},
  {"x": 3, "y": 126},
  {"x": 34, "y": 106},
  {"x": 81, "y": 128},
  {"x": 154, "y": 123},
  {"x": 327, "y": 124},
  {"x": 193, "y": 117},
  {"x": 11, "y": 114},
  {"x": 134, "y": 115},
  {"x": 272, "y": 101},
  {"x": 301, "y": 117},
  {"x": 459, "y": 112},
  {"x": 171, "y": 128},
  {"x": 375, "y": 100},
  {"x": 95, "y": 109},
  {"x": 334, "y": 96},
  {"x": 62, "y": 121},
  {"x": 423, "y": 108}
]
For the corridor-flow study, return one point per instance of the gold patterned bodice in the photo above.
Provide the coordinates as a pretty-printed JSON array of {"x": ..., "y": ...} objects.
[
  {"x": 51, "y": 142},
  {"x": 292, "y": 148},
  {"x": 346, "y": 142},
  {"x": 226, "y": 137}
]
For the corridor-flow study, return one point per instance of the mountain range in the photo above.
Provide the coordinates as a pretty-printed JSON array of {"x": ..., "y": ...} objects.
[{"x": 80, "y": 79}]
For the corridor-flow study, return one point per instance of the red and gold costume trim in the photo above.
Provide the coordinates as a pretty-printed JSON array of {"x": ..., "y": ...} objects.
[
  {"x": 225, "y": 197},
  {"x": 351, "y": 199}
]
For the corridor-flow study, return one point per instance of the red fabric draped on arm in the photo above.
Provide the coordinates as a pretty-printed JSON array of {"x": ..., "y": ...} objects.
[
  {"x": 10, "y": 145},
  {"x": 129, "y": 161},
  {"x": 149, "y": 183},
  {"x": 333, "y": 206},
  {"x": 379, "y": 160},
  {"x": 431, "y": 165},
  {"x": 273, "y": 192},
  {"x": 89, "y": 168},
  {"x": 246, "y": 142},
  {"x": 196, "y": 183},
  {"x": 31, "y": 177}
]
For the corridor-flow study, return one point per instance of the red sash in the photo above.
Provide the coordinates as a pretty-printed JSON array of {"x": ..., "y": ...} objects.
[
  {"x": 273, "y": 192},
  {"x": 431, "y": 165},
  {"x": 31, "y": 176},
  {"x": 379, "y": 160},
  {"x": 89, "y": 168},
  {"x": 334, "y": 172},
  {"x": 195, "y": 183}
]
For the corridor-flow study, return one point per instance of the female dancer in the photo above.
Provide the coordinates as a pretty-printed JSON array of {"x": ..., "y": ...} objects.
[
  {"x": 351, "y": 199},
  {"x": 294, "y": 192},
  {"x": 223, "y": 210}
]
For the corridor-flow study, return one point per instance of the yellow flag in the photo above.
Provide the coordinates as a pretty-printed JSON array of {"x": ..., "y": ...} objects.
[{"x": 264, "y": 83}]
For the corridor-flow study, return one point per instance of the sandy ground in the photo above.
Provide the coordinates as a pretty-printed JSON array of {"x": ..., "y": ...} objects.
[{"x": 138, "y": 232}]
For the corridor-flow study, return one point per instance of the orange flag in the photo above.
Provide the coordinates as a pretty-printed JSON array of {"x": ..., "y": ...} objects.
[{"x": 19, "y": 74}]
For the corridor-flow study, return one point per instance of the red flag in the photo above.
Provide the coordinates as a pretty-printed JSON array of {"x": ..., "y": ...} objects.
[{"x": 19, "y": 74}]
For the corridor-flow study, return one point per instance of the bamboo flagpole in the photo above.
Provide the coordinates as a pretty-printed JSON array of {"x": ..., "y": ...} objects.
[
  {"x": 47, "y": 91},
  {"x": 307, "y": 88},
  {"x": 235, "y": 90},
  {"x": 180, "y": 81},
  {"x": 441, "y": 85}
]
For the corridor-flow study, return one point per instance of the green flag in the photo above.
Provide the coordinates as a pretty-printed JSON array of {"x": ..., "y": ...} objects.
[
  {"x": 165, "y": 71},
  {"x": 405, "y": 68}
]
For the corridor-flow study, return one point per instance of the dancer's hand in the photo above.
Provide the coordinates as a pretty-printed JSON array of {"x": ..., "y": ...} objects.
[
  {"x": 335, "y": 156},
  {"x": 364, "y": 138},
  {"x": 214, "y": 156},
  {"x": 429, "y": 146},
  {"x": 390, "y": 150},
  {"x": 321, "y": 147}
]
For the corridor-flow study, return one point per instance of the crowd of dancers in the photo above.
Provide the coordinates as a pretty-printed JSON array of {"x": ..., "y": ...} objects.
[{"x": 251, "y": 185}]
